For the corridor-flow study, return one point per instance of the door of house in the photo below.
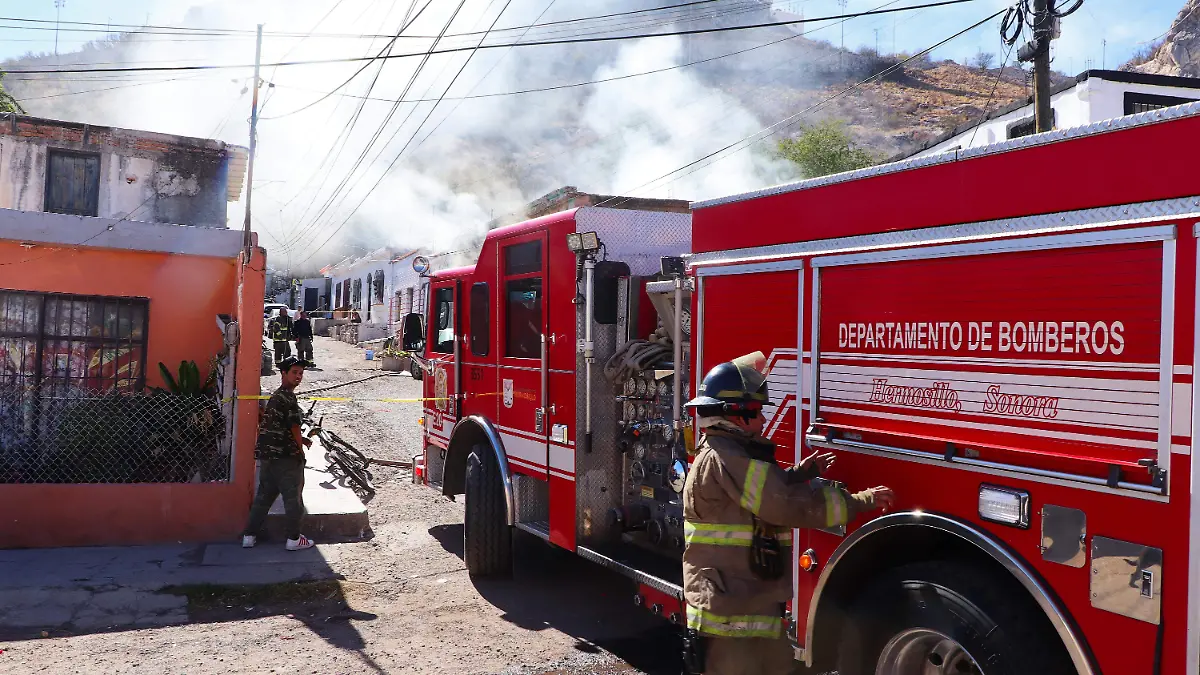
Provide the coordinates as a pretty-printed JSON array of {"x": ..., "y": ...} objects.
[{"x": 310, "y": 299}]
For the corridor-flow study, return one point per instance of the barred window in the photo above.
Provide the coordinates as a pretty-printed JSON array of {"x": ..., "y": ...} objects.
[{"x": 65, "y": 344}]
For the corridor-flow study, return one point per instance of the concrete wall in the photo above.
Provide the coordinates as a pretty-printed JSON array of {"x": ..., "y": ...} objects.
[
  {"x": 143, "y": 176},
  {"x": 185, "y": 291}
]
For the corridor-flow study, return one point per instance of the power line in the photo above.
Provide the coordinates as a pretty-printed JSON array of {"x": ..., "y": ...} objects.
[
  {"x": 188, "y": 30},
  {"x": 341, "y": 186},
  {"x": 407, "y": 144},
  {"x": 773, "y": 129},
  {"x": 534, "y": 43}
]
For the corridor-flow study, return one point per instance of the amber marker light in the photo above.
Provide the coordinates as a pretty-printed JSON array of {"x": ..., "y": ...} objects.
[{"x": 808, "y": 560}]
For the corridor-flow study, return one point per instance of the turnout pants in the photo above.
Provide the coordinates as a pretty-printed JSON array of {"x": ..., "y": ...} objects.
[
  {"x": 275, "y": 477},
  {"x": 304, "y": 348},
  {"x": 282, "y": 350},
  {"x": 749, "y": 656}
]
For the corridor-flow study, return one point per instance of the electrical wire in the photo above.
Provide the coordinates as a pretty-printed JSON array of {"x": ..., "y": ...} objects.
[
  {"x": 406, "y": 145},
  {"x": 188, "y": 30},
  {"x": 338, "y": 190},
  {"x": 987, "y": 108},
  {"x": 533, "y": 43},
  {"x": 786, "y": 122}
]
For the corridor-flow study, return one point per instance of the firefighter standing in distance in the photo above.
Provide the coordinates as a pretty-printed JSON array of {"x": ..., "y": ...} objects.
[
  {"x": 281, "y": 333},
  {"x": 739, "y": 508}
]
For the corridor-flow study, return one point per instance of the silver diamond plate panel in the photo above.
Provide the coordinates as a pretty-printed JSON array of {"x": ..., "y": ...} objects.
[
  {"x": 598, "y": 473},
  {"x": 1049, "y": 223},
  {"x": 1117, "y": 124},
  {"x": 435, "y": 464},
  {"x": 638, "y": 238},
  {"x": 532, "y": 498}
]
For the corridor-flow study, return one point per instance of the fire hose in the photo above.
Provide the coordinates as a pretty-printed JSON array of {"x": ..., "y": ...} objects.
[{"x": 636, "y": 356}]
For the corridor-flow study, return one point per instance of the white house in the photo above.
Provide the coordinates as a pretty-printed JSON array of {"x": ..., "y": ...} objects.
[{"x": 1094, "y": 96}]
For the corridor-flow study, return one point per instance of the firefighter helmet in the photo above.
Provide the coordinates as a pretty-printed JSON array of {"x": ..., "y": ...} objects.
[{"x": 736, "y": 387}]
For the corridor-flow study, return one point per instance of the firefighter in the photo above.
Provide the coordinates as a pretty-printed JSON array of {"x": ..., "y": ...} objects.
[
  {"x": 739, "y": 510},
  {"x": 281, "y": 333}
]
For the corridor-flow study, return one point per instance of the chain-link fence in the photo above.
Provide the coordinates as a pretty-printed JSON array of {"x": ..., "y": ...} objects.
[{"x": 119, "y": 437}]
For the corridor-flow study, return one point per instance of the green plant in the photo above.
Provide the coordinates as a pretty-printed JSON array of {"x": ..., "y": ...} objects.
[
  {"x": 188, "y": 383},
  {"x": 825, "y": 148}
]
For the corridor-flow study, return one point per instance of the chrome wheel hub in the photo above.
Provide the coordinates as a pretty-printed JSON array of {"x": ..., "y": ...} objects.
[{"x": 921, "y": 651}]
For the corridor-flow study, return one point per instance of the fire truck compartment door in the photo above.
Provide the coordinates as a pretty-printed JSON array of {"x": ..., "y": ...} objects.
[{"x": 1051, "y": 345}]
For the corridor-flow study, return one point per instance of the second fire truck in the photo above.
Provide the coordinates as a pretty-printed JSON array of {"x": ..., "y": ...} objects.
[{"x": 1016, "y": 362}]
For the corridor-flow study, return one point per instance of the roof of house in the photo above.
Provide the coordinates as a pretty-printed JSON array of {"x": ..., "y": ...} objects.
[{"x": 1108, "y": 75}]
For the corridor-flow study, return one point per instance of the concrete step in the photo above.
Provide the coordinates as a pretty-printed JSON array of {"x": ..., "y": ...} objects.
[{"x": 332, "y": 509}]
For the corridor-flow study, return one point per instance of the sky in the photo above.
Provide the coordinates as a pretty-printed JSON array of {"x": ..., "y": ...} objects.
[{"x": 1082, "y": 43}]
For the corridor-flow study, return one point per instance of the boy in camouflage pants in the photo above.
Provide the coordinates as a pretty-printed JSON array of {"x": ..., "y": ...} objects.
[{"x": 280, "y": 452}]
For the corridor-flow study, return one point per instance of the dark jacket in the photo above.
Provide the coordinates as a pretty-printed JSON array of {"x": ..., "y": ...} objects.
[{"x": 302, "y": 329}]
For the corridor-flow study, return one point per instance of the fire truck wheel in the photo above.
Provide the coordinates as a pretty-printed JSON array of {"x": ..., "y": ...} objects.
[
  {"x": 934, "y": 618},
  {"x": 487, "y": 544}
]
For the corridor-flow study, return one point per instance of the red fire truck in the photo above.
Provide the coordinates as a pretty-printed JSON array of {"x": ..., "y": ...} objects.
[{"x": 1004, "y": 335}]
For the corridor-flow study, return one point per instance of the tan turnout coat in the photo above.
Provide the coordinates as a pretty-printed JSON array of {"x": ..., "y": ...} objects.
[{"x": 732, "y": 477}]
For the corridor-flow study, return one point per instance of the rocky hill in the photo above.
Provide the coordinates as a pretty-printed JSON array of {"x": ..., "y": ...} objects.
[{"x": 1179, "y": 51}]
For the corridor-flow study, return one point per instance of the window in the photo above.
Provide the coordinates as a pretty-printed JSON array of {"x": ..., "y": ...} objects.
[
  {"x": 524, "y": 339},
  {"x": 86, "y": 344},
  {"x": 357, "y": 294},
  {"x": 523, "y": 258},
  {"x": 378, "y": 286},
  {"x": 73, "y": 183},
  {"x": 523, "y": 300},
  {"x": 1140, "y": 103},
  {"x": 1028, "y": 126},
  {"x": 443, "y": 337},
  {"x": 481, "y": 318}
]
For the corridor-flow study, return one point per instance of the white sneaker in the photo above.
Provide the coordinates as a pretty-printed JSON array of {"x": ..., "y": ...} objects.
[
  {"x": 299, "y": 544},
  {"x": 249, "y": 540}
]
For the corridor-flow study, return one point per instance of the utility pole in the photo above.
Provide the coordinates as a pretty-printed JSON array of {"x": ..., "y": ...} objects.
[
  {"x": 58, "y": 5},
  {"x": 1038, "y": 52},
  {"x": 253, "y": 145},
  {"x": 876, "y": 40},
  {"x": 842, "y": 54}
]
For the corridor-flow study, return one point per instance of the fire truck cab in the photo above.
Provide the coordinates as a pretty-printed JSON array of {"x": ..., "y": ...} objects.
[{"x": 1005, "y": 336}]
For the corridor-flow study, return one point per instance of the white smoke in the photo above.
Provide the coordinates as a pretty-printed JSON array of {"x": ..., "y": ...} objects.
[{"x": 487, "y": 157}]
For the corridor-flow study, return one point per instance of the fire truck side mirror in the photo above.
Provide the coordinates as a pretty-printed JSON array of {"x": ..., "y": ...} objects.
[{"x": 413, "y": 336}]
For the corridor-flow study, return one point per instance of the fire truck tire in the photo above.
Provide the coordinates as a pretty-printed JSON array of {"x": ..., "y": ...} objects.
[
  {"x": 487, "y": 537},
  {"x": 947, "y": 617}
]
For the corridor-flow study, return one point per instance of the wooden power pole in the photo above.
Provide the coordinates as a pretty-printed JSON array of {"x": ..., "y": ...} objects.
[
  {"x": 253, "y": 144},
  {"x": 1042, "y": 34}
]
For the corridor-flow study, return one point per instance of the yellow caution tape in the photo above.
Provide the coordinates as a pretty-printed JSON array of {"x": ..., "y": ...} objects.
[{"x": 349, "y": 399}]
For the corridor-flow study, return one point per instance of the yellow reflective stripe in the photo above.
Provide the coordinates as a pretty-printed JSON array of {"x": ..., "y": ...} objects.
[
  {"x": 717, "y": 535},
  {"x": 727, "y": 535},
  {"x": 744, "y": 626},
  {"x": 752, "y": 490},
  {"x": 836, "y": 512}
]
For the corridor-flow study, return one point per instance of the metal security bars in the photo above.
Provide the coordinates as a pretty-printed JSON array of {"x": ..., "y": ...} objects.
[
  {"x": 117, "y": 437},
  {"x": 72, "y": 403}
]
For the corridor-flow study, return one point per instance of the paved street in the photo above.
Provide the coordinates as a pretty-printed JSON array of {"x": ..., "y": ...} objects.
[{"x": 398, "y": 602}]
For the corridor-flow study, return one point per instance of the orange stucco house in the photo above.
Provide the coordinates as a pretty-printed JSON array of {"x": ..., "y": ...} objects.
[{"x": 114, "y": 258}]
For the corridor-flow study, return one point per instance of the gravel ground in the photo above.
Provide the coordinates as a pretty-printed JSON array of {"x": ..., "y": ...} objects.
[{"x": 406, "y": 605}]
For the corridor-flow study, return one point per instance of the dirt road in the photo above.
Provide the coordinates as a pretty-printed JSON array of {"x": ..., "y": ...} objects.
[{"x": 406, "y": 604}]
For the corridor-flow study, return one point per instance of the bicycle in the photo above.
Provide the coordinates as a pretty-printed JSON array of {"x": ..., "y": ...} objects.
[{"x": 352, "y": 463}]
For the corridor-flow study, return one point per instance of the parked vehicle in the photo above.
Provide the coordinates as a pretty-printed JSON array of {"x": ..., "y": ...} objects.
[{"x": 1005, "y": 335}]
